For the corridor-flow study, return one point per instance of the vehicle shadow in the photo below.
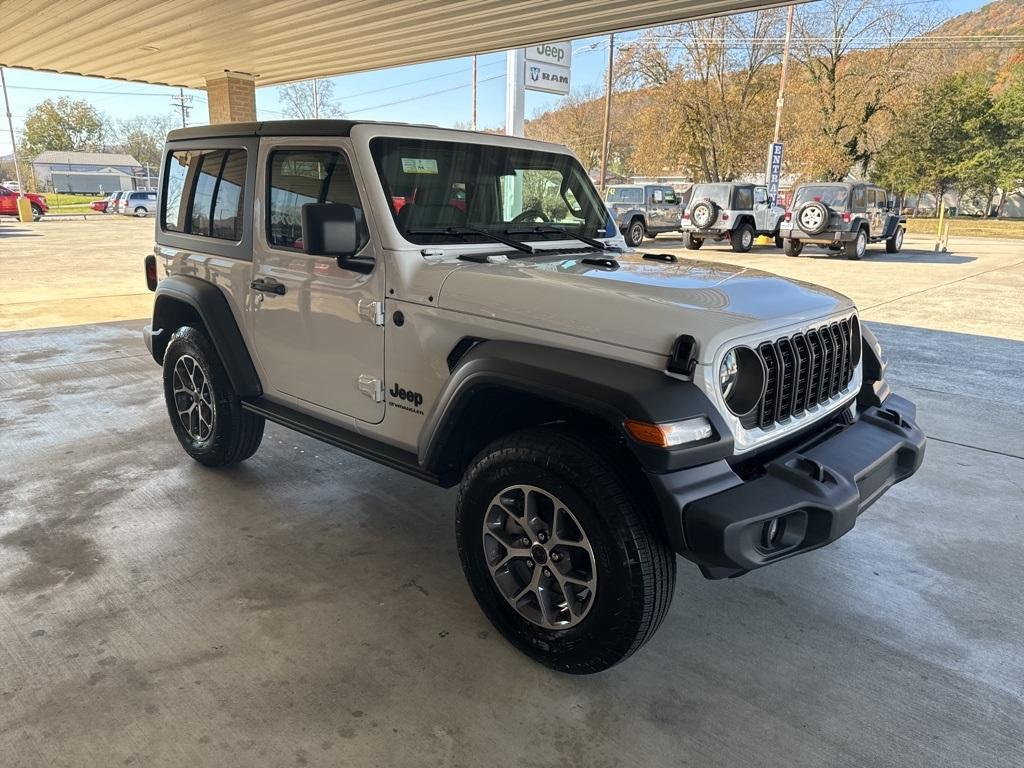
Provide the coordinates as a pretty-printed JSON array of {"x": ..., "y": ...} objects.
[{"x": 5, "y": 232}]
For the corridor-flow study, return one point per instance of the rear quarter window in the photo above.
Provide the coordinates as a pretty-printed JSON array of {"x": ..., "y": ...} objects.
[{"x": 203, "y": 193}]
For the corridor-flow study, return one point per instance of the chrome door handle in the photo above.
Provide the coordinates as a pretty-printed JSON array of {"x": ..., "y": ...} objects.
[{"x": 268, "y": 285}]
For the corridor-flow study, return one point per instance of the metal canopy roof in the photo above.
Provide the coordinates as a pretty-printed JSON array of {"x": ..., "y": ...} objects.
[{"x": 181, "y": 42}]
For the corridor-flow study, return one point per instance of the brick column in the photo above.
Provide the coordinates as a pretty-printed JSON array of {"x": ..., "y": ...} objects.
[{"x": 232, "y": 97}]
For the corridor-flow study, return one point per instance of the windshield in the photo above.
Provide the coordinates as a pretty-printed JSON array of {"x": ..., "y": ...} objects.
[
  {"x": 438, "y": 190},
  {"x": 832, "y": 195},
  {"x": 716, "y": 193},
  {"x": 624, "y": 195}
]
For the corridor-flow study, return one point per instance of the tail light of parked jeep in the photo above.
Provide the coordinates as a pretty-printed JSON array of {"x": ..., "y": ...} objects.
[
  {"x": 686, "y": 214},
  {"x": 788, "y": 215},
  {"x": 151, "y": 280},
  {"x": 725, "y": 216},
  {"x": 846, "y": 217}
]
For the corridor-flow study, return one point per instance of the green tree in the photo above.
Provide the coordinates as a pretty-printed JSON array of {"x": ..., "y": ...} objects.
[{"x": 64, "y": 124}]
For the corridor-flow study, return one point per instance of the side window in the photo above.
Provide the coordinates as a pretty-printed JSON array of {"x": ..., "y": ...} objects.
[
  {"x": 670, "y": 197},
  {"x": 657, "y": 196},
  {"x": 744, "y": 198},
  {"x": 859, "y": 199},
  {"x": 301, "y": 176},
  {"x": 760, "y": 195},
  {"x": 204, "y": 192}
]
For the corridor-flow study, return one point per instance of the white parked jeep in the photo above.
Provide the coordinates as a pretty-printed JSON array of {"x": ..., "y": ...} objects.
[
  {"x": 460, "y": 307},
  {"x": 733, "y": 211}
]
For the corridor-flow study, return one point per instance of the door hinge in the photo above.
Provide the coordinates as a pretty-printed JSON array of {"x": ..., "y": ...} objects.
[
  {"x": 372, "y": 387},
  {"x": 371, "y": 311}
]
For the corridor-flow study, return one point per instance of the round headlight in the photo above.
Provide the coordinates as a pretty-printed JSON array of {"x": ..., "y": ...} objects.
[
  {"x": 741, "y": 377},
  {"x": 728, "y": 373}
]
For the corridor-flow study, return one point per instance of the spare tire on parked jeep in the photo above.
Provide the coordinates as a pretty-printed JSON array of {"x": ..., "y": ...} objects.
[
  {"x": 704, "y": 213},
  {"x": 813, "y": 217}
]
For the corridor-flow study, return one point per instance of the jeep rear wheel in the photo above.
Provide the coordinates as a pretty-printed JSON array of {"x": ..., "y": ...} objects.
[
  {"x": 895, "y": 243},
  {"x": 692, "y": 243},
  {"x": 742, "y": 238},
  {"x": 634, "y": 233},
  {"x": 206, "y": 414},
  {"x": 559, "y": 556},
  {"x": 791, "y": 247},
  {"x": 856, "y": 248}
]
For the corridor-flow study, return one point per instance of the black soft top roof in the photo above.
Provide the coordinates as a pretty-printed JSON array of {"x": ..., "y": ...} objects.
[{"x": 266, "y": 128}]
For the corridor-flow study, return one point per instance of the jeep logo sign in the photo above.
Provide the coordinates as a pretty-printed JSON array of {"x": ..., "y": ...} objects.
[{"x": 548, "y": 67}]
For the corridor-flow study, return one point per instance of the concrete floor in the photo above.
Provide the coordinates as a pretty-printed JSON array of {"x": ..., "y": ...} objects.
[{"x": 307, "y": 608}]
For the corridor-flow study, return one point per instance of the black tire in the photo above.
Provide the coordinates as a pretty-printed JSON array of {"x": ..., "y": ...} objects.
[
  {"x": 792, "y": 247},
  {"x": 635, "y": 568},
  {"x": 742, "y": 238},
  {"x": 856, "y": 248},
  {"x": 234, "y": 433},
  {"x": 634, "y": 233},
  {"x": 692, "y": 243},
  {"x": 895, "y": 243},
  {"x": 37, "y": 212},
  {"x": 779, "y": 242}
]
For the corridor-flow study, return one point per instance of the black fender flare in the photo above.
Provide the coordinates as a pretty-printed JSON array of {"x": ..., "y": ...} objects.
[
  {"x": 610, "y": 390},
  {"x": 210, "y": 303}
]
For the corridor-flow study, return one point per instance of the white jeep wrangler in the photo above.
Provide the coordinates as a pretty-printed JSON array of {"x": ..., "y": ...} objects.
[
  {"x": 730, "y": 211},
  {"x": 460, "y": 307}
]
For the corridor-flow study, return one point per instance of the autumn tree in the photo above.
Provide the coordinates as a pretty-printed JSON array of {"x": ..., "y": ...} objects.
[
  {"x": 143, "y": 137},
  {"x": 64, "y": 124},
  {"x": 576, "y": 123},
  {"x": 856, "y": 58}
]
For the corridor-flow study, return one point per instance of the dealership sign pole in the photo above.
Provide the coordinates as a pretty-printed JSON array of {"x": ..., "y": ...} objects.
[
  {"x": 544, "y": 68},
  {"x": 774, "y": 170}
]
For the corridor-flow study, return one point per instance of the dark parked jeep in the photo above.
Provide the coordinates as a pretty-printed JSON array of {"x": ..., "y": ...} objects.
[{"x": 842, "y": 216}]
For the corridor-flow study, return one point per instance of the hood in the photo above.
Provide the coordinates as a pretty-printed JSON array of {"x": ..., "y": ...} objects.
[{"x": 643, "y": 305}]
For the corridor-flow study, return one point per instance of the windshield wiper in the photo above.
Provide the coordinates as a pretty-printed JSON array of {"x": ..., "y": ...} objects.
[
  {"x": 460, "y": 231},
  {"x": 549, "y": 230}
]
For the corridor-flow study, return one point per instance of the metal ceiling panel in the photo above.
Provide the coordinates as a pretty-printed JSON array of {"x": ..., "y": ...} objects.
[{"x": 181, "y": 42}]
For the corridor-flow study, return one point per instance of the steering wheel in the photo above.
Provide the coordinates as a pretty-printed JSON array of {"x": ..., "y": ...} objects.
[{"x": 531, "y": 214}]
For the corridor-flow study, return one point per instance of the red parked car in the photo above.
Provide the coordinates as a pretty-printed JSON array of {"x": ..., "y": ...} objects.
[
  {"x": 101, "y": 205},
  {"x": 9, "y": 203}
]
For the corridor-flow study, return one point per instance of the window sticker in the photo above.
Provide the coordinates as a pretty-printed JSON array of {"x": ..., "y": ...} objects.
[{"x": 419, "y": 165}]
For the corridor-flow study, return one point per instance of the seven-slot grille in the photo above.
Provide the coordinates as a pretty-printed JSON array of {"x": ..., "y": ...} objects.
[{"x": 803, "y": 370}]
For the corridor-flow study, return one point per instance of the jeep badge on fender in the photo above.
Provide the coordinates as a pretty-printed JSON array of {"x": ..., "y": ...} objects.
[{"x": 537, "y": 355}]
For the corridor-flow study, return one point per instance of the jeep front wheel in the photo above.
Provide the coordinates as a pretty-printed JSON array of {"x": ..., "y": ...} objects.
[
  {"x": 856, "y": 248},
  {"x": 634, "y": 233},
  {"x": 560, "y": 557},
  {"x": 692, "y": 243},
  {"x": 895, "y": 243},
  {"x": 206, "y": 414},
  {"x": 742, "y": 238},
  {"x": 791, "y": 246}
]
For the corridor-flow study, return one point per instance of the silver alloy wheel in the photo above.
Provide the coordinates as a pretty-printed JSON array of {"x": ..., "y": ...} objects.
[
  {"x": 899, "y": 238},
  {"x": 539, "y": 557},
  {"x": 701, "y": 215},
  {"x": 811, "y": 218},
  {"x": 193, "y": 398},
  {"x": 862, "y": 243},
  {"x": 747, "y": 239},
  {"x": 636, "y": 232}
]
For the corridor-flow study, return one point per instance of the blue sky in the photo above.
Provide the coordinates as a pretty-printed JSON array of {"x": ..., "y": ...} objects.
[{"x": 436, "y": 92}]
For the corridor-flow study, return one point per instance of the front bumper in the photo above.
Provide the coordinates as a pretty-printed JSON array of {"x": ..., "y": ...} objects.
[{"x": 815, "y": 491}]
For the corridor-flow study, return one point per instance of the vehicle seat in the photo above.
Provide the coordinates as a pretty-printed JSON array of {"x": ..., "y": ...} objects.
[{"x": 431, "y": 208}]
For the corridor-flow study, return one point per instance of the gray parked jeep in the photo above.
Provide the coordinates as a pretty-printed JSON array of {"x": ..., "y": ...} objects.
[
  {"x": 739, "y": 212},
  {"x": 842, "y": 216},
  {"x": 643, "y": 210},
  {"x": 455, "y": 306}
]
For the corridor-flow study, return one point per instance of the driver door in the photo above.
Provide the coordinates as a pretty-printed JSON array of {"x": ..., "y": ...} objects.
[
  {"x": 317, "y": 328},
  {"x": 762, "y": 210}
]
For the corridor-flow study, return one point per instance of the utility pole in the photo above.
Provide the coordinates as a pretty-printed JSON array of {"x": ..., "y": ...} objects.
[
  {"x": 782, "y": 77},
  {"x": 184, "y": 103},
  {"x": 607, "y": 112},
  {"x": 474, "y": 92},
  {"x": 14, "y": 143},
  {"x": 316, "y": 100}
]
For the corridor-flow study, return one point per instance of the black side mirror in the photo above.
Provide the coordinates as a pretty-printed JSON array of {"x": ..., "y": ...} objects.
[{"x": 333, "y": 229}]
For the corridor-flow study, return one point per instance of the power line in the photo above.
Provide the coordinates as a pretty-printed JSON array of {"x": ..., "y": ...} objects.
[{"x": 426, "y": 95}]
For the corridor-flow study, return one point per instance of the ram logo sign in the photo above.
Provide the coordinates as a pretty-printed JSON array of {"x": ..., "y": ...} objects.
[{"x": 548, "y": 67}]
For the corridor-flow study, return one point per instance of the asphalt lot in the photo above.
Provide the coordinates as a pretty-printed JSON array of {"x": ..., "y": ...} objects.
[{"x": 307, "y": 607}]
